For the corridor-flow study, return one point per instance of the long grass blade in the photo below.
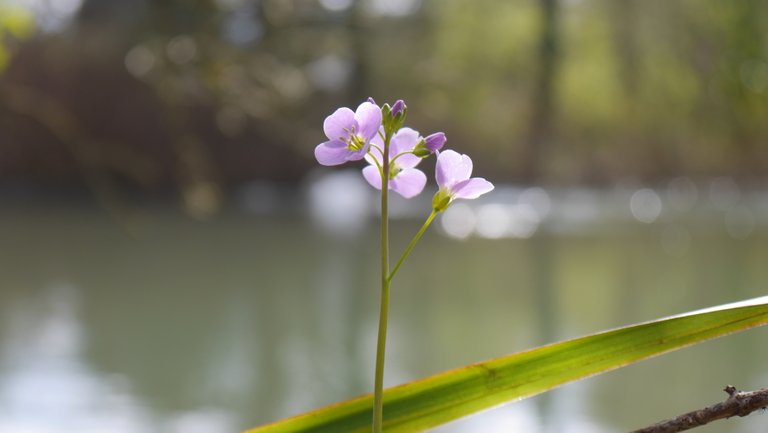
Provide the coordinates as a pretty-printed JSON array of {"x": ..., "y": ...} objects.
[{"x": 429, "y": 402}]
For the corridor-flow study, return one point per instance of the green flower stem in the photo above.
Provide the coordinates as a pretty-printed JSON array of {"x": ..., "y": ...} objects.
[
  {"x": 415, "y": 239},
  {"x": 381, "y": 345},
  {"x": 378, "y": 393},
  {"x": 378, "y": 165},
  {"x": 373, "y": 146}
]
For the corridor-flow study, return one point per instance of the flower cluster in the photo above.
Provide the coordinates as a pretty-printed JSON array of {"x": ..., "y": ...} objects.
[
  {"x": 393, "y": 153},
  {"x": 370, "y": 131}
]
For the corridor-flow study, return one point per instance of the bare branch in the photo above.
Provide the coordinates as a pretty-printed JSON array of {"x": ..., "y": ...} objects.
[{"x": 738, "y": 403}]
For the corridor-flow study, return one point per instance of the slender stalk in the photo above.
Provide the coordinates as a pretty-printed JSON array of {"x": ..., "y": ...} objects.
[
  {"x": 386, "y": 280},
  {"x": 378, "y": 390},
  {"x": 378, "y": 393},
  {"x": 415, "y": 239}
]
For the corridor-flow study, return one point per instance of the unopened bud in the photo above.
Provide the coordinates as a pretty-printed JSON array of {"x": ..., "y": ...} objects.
[
  {"x": 421, "y": 150},
  {"x": 397, "y": 108},
  {"x": 435, "y": 142},
  {"x": 393, "y": 116}
]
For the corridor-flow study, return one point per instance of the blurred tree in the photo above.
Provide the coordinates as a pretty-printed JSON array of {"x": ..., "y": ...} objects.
[
  {"x": 198, "y": 98},
  {"x": 541, "y": 130}
]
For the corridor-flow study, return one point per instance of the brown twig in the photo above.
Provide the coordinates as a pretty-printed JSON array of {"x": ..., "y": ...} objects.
[{"x": 738, "y": 403}]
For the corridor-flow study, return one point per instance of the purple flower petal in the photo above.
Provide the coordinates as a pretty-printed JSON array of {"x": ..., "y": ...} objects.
[
  {"x": 408, "y": 160},
  {"x": 472, "y": 188},
  {"x": 338, "y": 125},
  {"x": 368, "y": 118},
  {"x": 452, "y": 168},
  {"x": 373, "y": 156},
  {"x": 372, "y": 175},
  {"x": 332, "y": 152},
  {"x": 404, "y": 140},
  {"x": 376, "y": 150},
  {"x": 409, "y": 182},
  {"x": 377, "y": 139},
  {"x": 360, "y": 154}
]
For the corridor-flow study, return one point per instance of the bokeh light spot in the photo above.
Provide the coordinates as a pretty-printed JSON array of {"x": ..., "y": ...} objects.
[
  {"x": 181, "y": 49},
  {"x": 645, "y": 205},
  {"x": 139, "y": 61},
  {"x": 459, "y": 221}
]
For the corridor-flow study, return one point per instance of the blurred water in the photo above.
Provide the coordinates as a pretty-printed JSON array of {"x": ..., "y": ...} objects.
[{"x": 160, "y": 323}]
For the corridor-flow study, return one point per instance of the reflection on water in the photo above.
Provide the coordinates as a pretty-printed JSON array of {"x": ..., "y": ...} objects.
[
  {"x": 48, "y": 386},
  {"x": 177, "y": 325}
]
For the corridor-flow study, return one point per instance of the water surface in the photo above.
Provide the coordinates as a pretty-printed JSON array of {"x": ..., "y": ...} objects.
[{"x": 161, "y": 323}]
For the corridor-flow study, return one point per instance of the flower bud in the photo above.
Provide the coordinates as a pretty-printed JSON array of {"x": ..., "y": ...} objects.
[
  {"x": 431, "y": 144},
  {"x": 421, "y": 150},
  {"x": 394, "y": 116},
  {"x": 397, "y": 108},
  {"x": 435, "y": 142}
]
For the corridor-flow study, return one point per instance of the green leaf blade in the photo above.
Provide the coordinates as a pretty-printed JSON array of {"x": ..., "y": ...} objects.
[{"x": 438, "y": 399}]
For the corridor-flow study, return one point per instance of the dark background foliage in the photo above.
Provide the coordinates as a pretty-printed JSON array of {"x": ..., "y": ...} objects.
[{"x": 160, "y": 98}]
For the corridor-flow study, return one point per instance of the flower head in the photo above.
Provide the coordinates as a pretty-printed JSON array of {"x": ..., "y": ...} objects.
[
  {"x": 349, "y": 134},
  {"x": 453, "y": 173},
  {"x": 404, "y": 178}
]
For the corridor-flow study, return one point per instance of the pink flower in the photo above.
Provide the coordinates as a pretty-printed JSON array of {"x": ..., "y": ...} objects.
[
  {"x": 453, "y": 173},
  {"x": 404, "y": 178},
  {"x": 349, "y": 134}
]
